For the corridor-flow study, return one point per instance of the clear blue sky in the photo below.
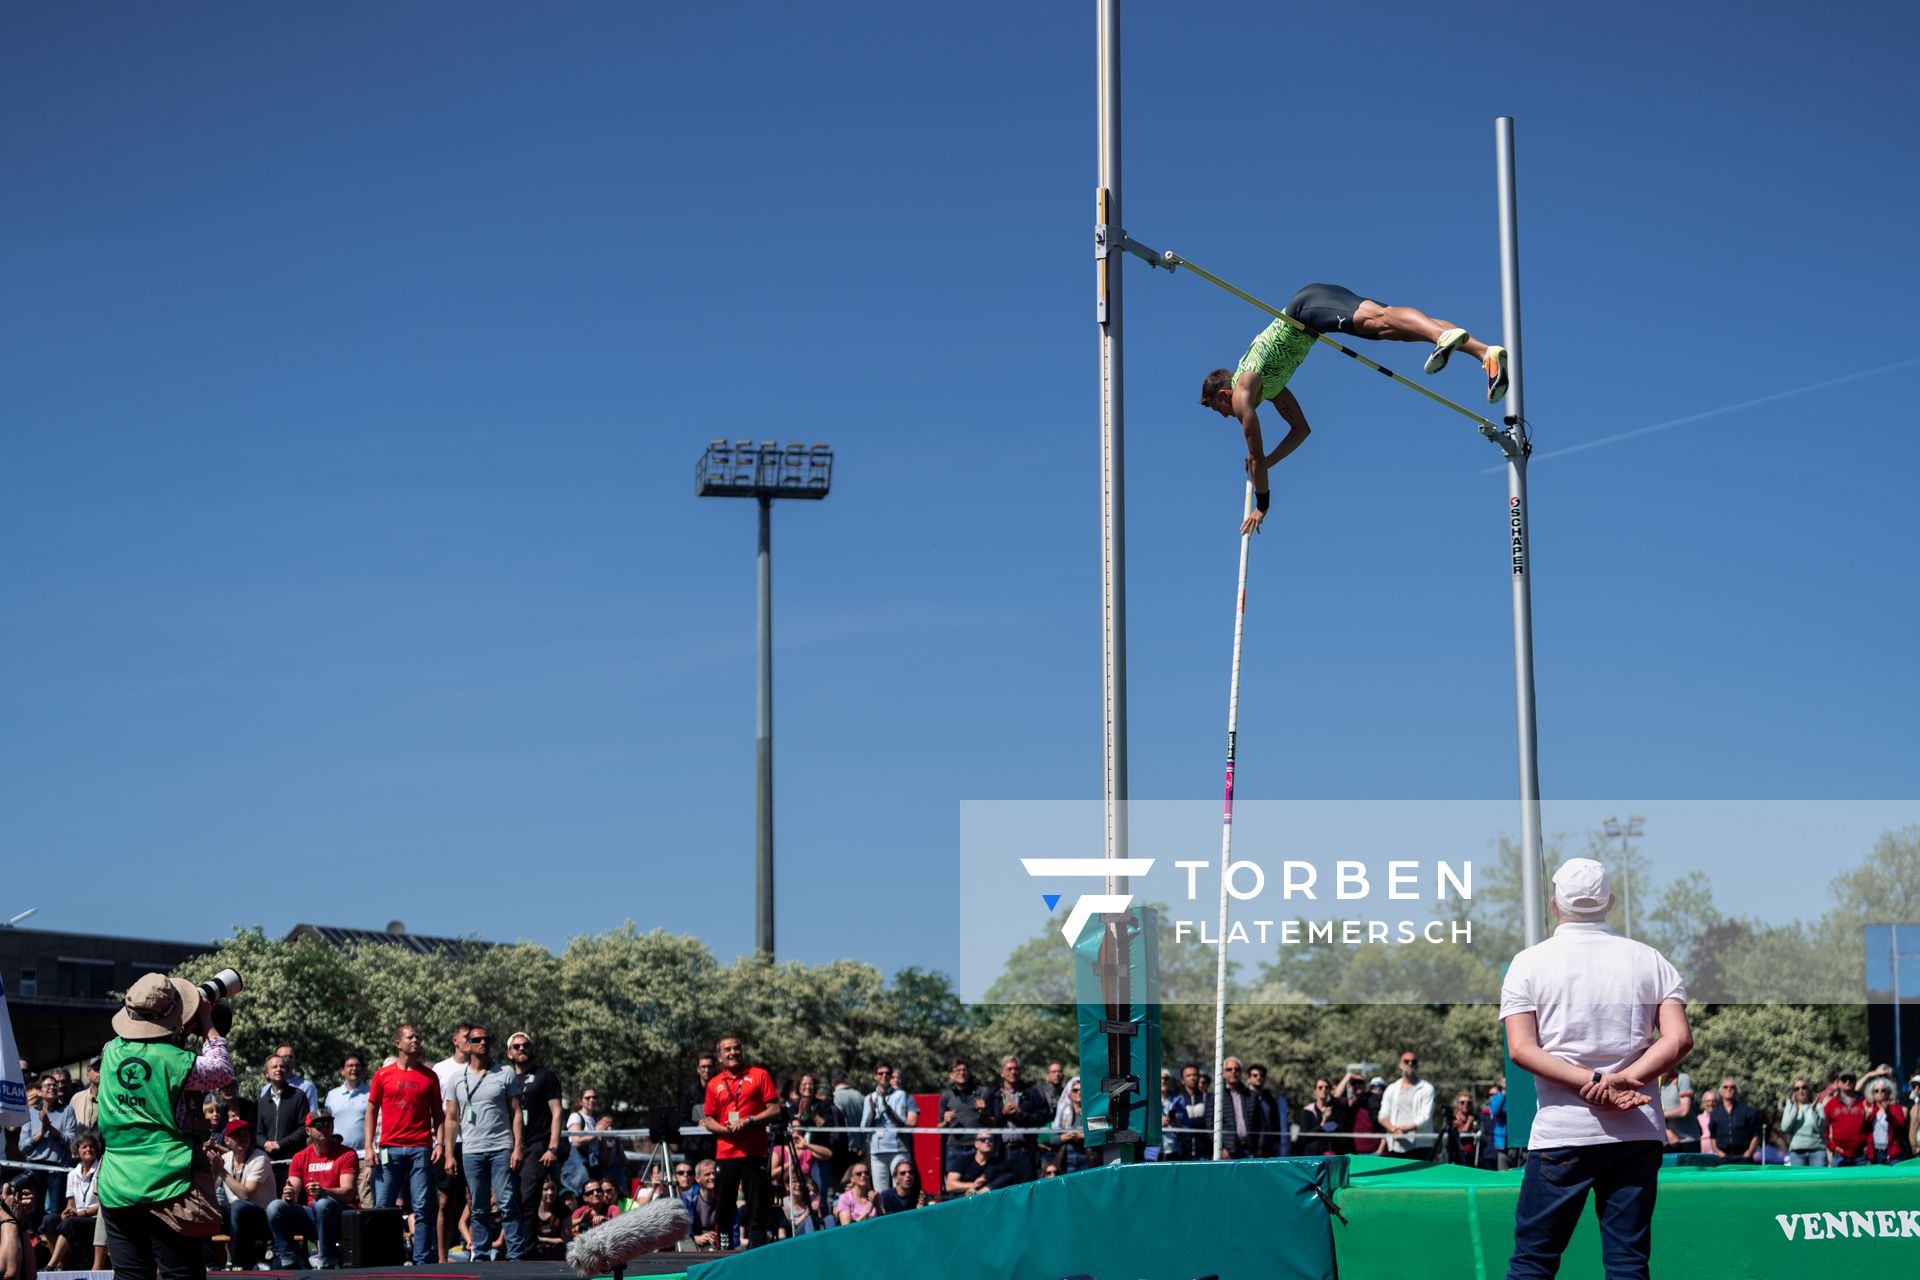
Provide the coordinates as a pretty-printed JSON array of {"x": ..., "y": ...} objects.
[{"x": 358, "y": 357}]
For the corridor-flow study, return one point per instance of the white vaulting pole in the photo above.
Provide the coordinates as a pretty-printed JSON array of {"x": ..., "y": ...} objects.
[{"x": 1226, "y": 845}]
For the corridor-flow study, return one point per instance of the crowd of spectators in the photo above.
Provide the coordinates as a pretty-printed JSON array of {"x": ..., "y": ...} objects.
[
  {"x": 489, "y": 1160},
  {"x": 1855, "y": 1119}
]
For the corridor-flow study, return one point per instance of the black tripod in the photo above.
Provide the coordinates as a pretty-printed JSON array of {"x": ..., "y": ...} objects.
[{"x": 781, "y": 1131}]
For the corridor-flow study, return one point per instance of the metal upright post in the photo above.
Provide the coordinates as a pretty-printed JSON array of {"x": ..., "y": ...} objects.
[
  {"x": 1516, "y": 448},
  {"x": 1113, "y": 527},
  {"x": 1113, "y": 571},
  {"x": 763, "y": 747}
]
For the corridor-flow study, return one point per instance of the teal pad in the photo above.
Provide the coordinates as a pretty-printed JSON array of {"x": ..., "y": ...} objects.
[
  {"x": 1143, "y": 965},
  {"x": 1169, "y": 1221}
]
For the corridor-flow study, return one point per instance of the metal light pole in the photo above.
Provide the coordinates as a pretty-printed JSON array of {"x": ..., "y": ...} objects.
[
  {"x": 764, "y": 472},
  {"x": 1516, "y": 448},
  {"x": 1631, "y": 831}
]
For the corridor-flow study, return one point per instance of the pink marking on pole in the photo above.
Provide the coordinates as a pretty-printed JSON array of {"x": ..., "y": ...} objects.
[{"x": 1229, "y": 813}]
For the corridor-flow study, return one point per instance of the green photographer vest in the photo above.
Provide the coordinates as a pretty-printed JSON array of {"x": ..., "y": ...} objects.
[{"x": 147, "y": 1158}]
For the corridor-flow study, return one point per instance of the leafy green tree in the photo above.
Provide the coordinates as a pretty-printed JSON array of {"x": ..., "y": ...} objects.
[
  {"x": 1762, "y": 1047},
  {"x": 1885, "y": 887}
]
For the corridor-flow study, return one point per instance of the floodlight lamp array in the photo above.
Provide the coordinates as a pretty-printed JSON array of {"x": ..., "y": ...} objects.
[{"x": 766, "y": 469}]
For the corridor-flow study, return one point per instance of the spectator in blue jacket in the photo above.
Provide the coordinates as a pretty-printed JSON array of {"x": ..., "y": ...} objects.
[{"x": 1494, "y": 1124}]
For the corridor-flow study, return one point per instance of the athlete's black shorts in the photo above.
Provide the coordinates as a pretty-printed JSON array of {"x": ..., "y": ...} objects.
[{"x": 1325, "y": 308}]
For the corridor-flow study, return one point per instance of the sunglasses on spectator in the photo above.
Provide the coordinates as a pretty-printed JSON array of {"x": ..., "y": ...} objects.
[
  {"x": 473, "y": 1039},
  {"x": 1409, "y": 1062}
]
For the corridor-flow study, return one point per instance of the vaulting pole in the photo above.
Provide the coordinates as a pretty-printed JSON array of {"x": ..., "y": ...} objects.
[
  {"x": 1226, "y": 844},
  {"x": 1521, "y": 566}
]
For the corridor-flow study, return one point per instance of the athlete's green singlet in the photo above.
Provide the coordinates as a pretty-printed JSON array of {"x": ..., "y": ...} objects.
[{"x": 1276, "y": 352}]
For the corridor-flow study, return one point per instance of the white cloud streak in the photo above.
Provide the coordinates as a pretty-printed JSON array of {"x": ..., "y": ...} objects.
[{"x": 1723, "y": 409}]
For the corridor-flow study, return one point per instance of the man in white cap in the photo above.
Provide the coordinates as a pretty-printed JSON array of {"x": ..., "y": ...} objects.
[{"x": 1596, "y": 1018}]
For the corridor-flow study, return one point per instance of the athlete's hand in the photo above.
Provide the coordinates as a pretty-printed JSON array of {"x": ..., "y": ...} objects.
[
  {"x": 1252, "y": 523},
  {"x": 1612, "y": 1086}
]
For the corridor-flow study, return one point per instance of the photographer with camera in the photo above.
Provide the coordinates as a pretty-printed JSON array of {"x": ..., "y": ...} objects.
[
  {"x": 155, "y": 1186},
  {"x": 888, "y": 1110},
  {"x": 741, "y": 1100}
]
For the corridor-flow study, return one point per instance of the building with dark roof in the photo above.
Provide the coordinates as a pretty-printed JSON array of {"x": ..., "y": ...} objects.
[
  {"x": 395, "y": 935},
  {"x": 60, "y": 986}
]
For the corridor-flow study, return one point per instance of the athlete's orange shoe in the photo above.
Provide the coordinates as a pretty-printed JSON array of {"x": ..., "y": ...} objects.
[{"x": 1495, "y": 364}]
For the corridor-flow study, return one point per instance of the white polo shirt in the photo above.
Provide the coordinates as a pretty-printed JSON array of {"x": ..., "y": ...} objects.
[{"x": 1597, "y": 998}]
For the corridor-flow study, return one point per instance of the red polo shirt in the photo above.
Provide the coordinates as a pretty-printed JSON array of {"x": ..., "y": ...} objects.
[
  {"x": 747, "y": 1094},
  {"x": 1849, "y": 1127},
  {"x": 407, "y": 1104}
]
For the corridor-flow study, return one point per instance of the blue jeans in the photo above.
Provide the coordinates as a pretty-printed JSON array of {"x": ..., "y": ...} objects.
[
  {"x": 1807, "y": 1159},
  {"x": 247, "y": 1232},
  {"x": 412, "y": 1166},
  {"x": 320, "y": 1224},
  {"x": 493, "y": 1191},
  {"x": 575, "y": 1173},
  {"x": 1553, "y": 1194},
  {"x": 1847, "y": 1162}
]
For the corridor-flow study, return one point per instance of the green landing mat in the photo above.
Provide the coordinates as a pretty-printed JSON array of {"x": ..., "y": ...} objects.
[
  {"x": 1249, "y": 1218},
  {"x": 1741, "y": 1222}
]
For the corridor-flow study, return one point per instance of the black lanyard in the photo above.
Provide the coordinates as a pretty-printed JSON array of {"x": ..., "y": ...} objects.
[{"x": 473, "y": 1088}]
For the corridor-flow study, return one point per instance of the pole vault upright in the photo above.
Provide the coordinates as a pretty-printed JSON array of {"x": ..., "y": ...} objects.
[
  {"x": 1122, "y": 1086},
  {"x": 1517, "y": 448},
  {"x": 1113, "y": 527}
]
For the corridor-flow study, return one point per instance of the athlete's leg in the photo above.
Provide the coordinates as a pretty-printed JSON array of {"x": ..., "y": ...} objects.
[{"x": 1407, "y": 324}]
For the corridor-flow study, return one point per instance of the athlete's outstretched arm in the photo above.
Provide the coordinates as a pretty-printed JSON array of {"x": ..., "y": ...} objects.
[{"x": 1246, "y": 407}]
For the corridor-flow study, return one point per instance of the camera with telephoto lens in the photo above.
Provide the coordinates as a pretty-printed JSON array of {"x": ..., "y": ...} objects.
[
  {"x": 223, "y": 985},
  {"x": 777, "y": 1126}
]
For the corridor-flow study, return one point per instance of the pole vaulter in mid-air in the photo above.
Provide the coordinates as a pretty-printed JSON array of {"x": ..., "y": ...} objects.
[{"x": 1278, "y": 350}]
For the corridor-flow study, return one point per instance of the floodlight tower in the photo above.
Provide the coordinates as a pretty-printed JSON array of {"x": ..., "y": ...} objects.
[
  {"x": 1630, "y": 831},
  {"x": 764, "y": 471}
]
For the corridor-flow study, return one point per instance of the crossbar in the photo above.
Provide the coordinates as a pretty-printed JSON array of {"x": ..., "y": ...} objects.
[{"x": 1170, "y": 260}]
